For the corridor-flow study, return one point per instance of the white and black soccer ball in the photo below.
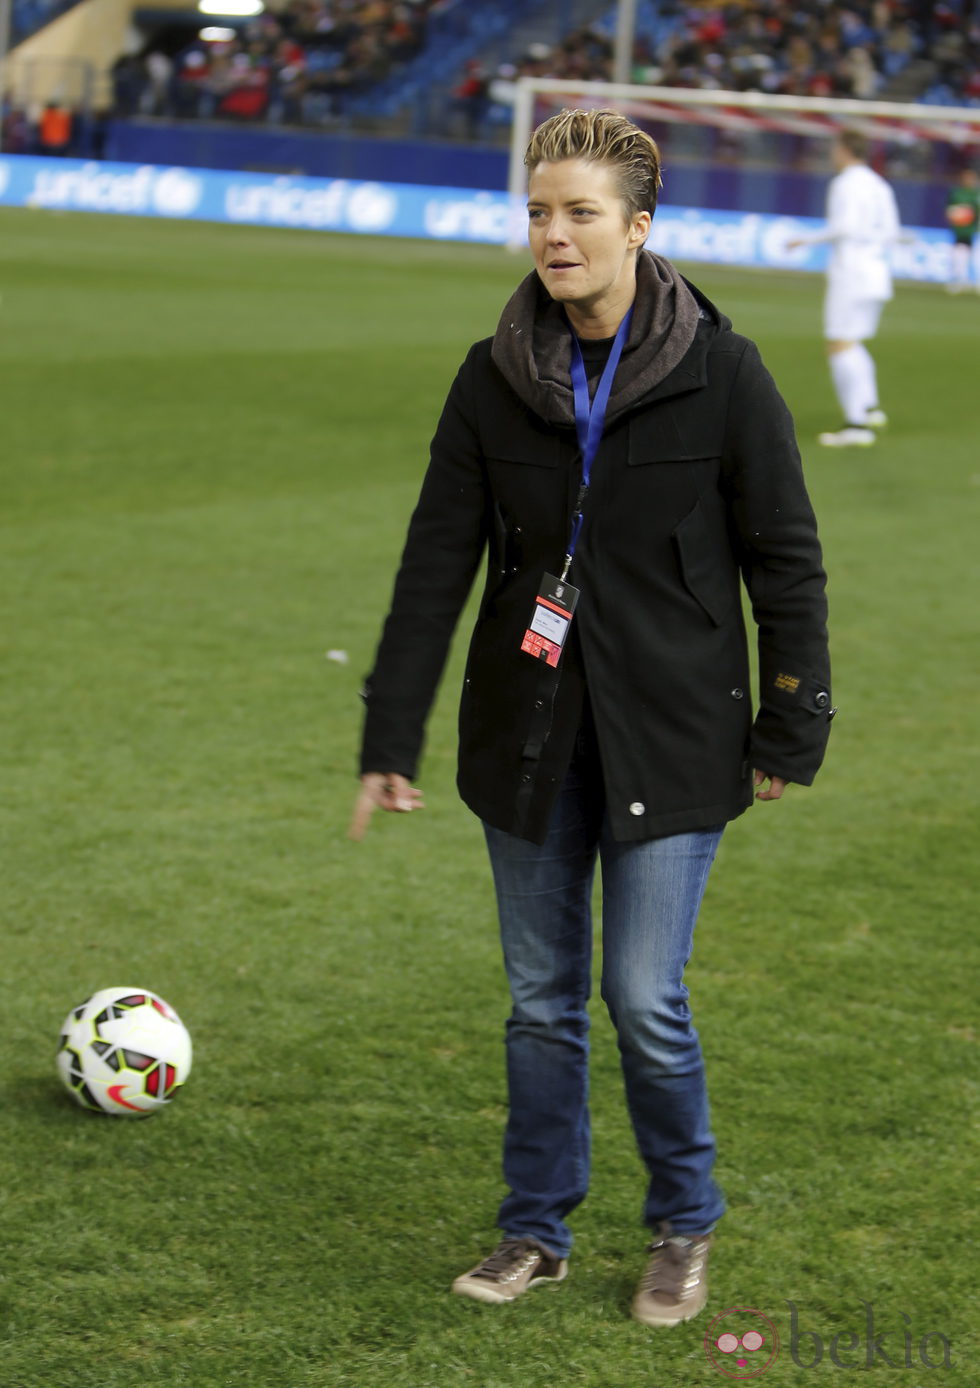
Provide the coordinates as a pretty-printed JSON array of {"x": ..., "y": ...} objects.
[{"x": 124, "y": 1051}]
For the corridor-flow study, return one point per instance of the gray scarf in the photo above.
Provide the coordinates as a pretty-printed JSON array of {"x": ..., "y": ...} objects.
[{"x": 532, "y": 350}]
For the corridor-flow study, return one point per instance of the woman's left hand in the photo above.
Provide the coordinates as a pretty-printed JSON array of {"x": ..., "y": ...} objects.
[{"x": 776, "y": 786}]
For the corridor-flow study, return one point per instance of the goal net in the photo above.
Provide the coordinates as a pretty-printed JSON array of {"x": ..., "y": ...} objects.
[{"x": 753, "y": 152}]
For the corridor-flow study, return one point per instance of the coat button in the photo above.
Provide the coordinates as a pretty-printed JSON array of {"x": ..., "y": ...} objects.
[
  {"x": 821, "y": 698},
  {"x": 638, "y": 807},
  {"x": 738, "y": 693},
  {"x": 525, "y": 778}
]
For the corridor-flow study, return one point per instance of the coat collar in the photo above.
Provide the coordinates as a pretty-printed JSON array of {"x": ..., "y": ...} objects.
[
  {"x": 666, "y": 353},
  {"x": 691, "y": 372},
  {"x": 532, "y": 350}
]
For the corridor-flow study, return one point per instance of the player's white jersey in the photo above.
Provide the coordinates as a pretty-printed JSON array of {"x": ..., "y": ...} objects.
[{"x": 862, "y": 227}]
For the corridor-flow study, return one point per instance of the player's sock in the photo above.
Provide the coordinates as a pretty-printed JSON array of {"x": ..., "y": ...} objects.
[
  {"x": 868, "y": 381},
  {"x": 853, "y": 374}
]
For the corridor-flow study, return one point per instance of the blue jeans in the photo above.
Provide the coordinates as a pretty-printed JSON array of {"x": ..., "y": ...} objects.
[{"x": 651, "y": 894}]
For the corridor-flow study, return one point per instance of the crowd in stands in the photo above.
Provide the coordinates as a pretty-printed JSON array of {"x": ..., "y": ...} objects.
[
  {"x": 56, "y": 130},
  {"x": 807, "y": 48},
  {"x": 801, "y": 48},
  {"x": 299, "y": 65},
  {"x": 294, "y": 66},
  {"x": 302, "y": 63},
  {"x": 956, "y": 52}
]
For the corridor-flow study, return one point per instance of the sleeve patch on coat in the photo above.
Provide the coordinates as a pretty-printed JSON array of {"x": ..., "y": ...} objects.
[{"x": 790, "y": 683}]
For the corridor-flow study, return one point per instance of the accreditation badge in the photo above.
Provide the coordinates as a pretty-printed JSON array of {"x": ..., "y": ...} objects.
[{"x": 551, "y": 619}]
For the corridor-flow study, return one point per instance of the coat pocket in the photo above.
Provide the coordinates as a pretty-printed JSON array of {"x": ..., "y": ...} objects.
[
  {"x": 685, "y": 435},
  {"x": 507, "y": 536},
  {"x": 706, "y": 563},
  {"x": 520, "y": 440}
]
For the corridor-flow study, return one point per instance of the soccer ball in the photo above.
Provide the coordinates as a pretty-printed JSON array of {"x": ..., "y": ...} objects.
[{"x": 124, "y": 1051}]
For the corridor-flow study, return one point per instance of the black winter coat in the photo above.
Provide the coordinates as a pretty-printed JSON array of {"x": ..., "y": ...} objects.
[{"x": 699, "y": 484}]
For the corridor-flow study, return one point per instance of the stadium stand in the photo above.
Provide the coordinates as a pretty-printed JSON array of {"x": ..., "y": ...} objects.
[
  {"x": 884, "y": 51},
  {"x": 446, "y": 68},
  {"x": 323, "y": 62}
]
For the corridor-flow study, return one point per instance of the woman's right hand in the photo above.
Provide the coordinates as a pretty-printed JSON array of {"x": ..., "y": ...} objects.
[{"x": 382, "y": 790}]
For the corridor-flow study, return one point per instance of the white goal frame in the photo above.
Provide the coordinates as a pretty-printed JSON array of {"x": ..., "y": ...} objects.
[{"x": 810, "y": 115}]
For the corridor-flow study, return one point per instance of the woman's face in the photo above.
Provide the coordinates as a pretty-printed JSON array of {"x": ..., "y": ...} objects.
[{"x": 583, "y": 246}]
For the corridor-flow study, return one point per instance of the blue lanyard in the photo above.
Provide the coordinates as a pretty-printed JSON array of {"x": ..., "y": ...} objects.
[{"x": 590, "y": 419}]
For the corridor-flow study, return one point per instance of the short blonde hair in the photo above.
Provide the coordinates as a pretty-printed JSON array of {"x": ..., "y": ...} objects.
[{"x": 602, "y": 137}]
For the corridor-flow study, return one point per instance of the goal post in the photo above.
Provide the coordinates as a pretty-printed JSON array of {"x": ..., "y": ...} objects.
[{"x": 920, "y": 144}]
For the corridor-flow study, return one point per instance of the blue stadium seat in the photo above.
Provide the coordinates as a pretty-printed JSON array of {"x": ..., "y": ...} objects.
[{"x": 28, "y": 16}]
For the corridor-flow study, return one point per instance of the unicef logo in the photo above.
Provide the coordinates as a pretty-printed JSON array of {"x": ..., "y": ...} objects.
[
  {"x": 741, "y": 1343},
  {"x": 773, "y": 243},
  {"x": 371, "y": 208},
  {"x": 176, "y": 193}
]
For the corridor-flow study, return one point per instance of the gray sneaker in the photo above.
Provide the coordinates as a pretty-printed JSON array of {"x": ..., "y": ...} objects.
[
  {"x": 508, "y": 1272},
  {"x": 674, "y": 1287}
]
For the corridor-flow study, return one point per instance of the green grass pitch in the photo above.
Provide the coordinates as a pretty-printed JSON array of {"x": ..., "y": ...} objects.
[{"x": 212, "y": 439}]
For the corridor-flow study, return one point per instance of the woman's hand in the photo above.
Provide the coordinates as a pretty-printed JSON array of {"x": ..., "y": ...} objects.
[
  {"x": 382, "y": 790},
  {"x": 776, "y": 786}
]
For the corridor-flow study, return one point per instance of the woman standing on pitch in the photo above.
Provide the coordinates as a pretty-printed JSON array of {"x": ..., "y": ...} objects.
[{"x": 623, "y": 457}]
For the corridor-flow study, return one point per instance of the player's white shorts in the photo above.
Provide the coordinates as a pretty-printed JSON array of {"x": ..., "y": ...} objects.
[{"x": 847, "y": 318}]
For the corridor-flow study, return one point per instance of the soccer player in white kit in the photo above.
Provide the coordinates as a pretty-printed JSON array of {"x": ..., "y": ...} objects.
[{"x": 862, "y": 227}]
